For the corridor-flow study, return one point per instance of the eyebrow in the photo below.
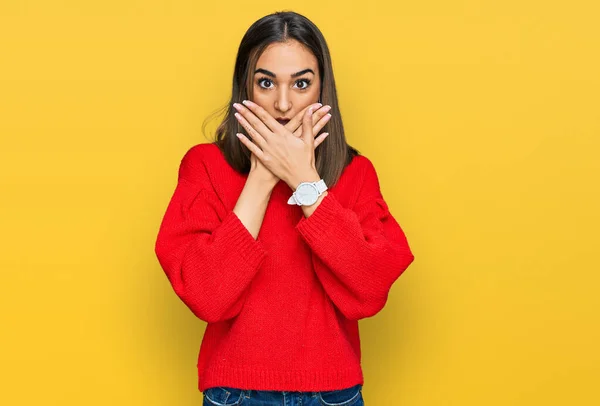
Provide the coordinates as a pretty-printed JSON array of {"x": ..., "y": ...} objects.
[{"x": 269, "y": 73}]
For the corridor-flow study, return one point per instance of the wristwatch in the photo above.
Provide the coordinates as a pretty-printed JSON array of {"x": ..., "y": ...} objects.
[{"x": 307, "y": 193}]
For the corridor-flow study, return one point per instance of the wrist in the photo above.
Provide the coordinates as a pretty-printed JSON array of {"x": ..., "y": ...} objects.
[
  {"x": 260, "y": 183},
  {"x": 309, "y": 176}
]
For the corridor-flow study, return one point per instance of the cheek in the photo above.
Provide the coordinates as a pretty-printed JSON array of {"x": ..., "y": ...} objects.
[{"x": 260, "y": 97}]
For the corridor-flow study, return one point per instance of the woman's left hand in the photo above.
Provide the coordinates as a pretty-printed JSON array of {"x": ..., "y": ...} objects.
[{"x": 287, "y": 156}]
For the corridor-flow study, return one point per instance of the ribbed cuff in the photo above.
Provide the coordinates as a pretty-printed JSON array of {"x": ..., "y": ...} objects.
[
  {"x": 243, "y": 251},
  {"x": 252, "y": 251},
  {"x": 322, "y": 219}
]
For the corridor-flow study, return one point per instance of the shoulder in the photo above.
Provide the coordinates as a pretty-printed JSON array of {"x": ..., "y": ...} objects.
[
  {"x": 361, "y": 169},
  {"x": 358, "y": 179},
  {"x": 199, "y": 153},
  {"x": 362, "y": 175},
  {"x": 194, "y": 161}
]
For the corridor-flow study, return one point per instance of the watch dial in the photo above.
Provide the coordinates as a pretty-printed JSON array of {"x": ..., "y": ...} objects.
[{"x": 306, "y": 194}]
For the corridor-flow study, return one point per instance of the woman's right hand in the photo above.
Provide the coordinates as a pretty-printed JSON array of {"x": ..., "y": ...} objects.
[{"x": 295, "y": 125}]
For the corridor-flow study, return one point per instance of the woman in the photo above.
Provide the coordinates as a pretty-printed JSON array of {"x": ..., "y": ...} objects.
[{"x": 277, "y": 235}]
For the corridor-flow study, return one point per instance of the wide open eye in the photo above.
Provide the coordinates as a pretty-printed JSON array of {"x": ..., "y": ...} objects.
[
  {"x": 264, "y": 83},
  {"x": 262, "y": 80},
  {"x": 307, "y": 81}
]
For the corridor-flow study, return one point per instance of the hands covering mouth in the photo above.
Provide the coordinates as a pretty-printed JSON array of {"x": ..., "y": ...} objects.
[{"x": 288, "y": 153}]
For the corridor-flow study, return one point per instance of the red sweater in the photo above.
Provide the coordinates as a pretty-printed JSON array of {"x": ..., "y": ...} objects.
[{"x": 282, "y": 310}]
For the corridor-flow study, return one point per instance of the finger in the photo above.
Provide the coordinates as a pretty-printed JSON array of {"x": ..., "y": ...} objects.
[
  {"x": 318, "y": 126},
  {"x": 250, "y": 117},
  {"x": 256, "y": 136},
  {"x": 320, "y": 139},
  {"x": 318, "y": 111},
  {"x": 261, "y": 119},
  {"x": 295, "y": 123},
  {"x": 251, "y": 146},
  {"x": 307, "y": 133}
]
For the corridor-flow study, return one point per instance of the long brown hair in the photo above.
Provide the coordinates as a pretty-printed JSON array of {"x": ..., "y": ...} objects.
[{"x": 334, "y": 153}]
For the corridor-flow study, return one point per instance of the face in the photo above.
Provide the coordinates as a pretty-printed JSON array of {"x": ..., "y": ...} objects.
[{"x": 286, "y": 80}]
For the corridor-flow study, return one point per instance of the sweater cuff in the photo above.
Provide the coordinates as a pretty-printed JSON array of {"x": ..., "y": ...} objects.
[
  {"x": 322, "y": 219},
  {"x": 240, "y": 240}
]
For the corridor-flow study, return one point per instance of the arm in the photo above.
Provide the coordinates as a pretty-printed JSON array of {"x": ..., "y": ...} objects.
[
  {"x": 357, "y": 253},
  {"x": 207, "y": 253},
  {"x": 252, "y": 204}
]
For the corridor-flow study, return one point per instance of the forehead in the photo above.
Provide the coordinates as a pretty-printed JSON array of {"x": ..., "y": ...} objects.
[{"x": 286, "y": 58}]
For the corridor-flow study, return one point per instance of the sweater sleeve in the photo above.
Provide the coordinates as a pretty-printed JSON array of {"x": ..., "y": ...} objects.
[
  {"x": 358, "y": 253},
  {"x": 208, "y": 255}
]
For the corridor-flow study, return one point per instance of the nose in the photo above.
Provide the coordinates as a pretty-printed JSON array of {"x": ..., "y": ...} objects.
[{"x": 283, "y": 103}]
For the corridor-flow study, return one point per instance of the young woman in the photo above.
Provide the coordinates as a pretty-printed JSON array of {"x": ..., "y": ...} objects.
[{"x": 278, "y": 235}]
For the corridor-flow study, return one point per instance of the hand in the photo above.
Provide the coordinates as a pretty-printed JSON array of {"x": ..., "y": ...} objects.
[
  {"x": 285, "y": 154},
  {"x": 295, "y": 125},
  {"x": 319, "y": 120},
  {"x": 258, "y": 169}
]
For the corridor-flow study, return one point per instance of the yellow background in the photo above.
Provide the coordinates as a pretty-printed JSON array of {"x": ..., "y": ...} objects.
[{"x": 482, "y": 118}]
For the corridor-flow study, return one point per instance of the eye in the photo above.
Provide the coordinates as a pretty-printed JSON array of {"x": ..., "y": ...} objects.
[
  {"x": 307, "y": 81},
  {"x": 262, "y": 80},
  {"x": 264, "y": 83}
]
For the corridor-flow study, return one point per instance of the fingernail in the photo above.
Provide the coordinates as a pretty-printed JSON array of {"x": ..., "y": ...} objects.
[{"x": 246, "y": 102}]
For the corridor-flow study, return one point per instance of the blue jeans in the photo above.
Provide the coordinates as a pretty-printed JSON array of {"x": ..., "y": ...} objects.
[{"x": 226, "y": 396}]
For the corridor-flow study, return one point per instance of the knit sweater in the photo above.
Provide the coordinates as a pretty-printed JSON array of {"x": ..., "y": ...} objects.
[{"x": 282, "y": 309}]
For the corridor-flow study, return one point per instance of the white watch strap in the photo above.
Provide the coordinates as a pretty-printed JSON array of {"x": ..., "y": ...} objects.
[
  {"x": 292, "y": 200},
  {"x": 321, "y": 186}
]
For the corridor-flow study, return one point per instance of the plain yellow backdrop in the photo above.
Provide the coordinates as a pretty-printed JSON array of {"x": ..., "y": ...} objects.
[{"x": 481, "y": 117}]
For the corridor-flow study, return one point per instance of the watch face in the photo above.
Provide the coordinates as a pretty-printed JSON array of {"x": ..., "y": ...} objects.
[{"x": 307, "y": 194}]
